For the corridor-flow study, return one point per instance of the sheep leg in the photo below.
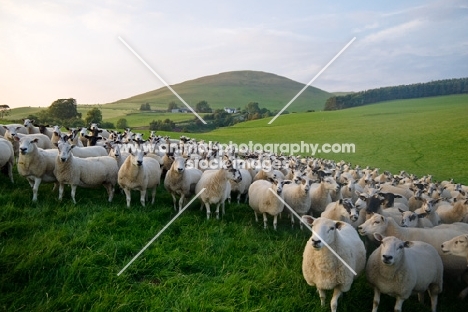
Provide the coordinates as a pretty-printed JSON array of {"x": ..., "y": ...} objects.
[
  {"x": 238, "y": 198},
  {"x": 433, "y": 293},
  {"x": 142, "y": 197},
  {"x": 208, "y": 210},
  {"x": 322, "y": 296},
  {"x": 181, "y": 202},
  {"x": 334, "y": 300},
  {"x": 264, "y": 220},
  {"x": 398, "y": 304},
  {"x": 376, "y": 302},
  {"x": 37, "y": 182},
  {"x": 60, "y": 191},
  {"x": 10, "y": 172},
  {"x": 153, "y": 195},
  {"x": 73, "y": 192},
  {"x": 174, "y": 199},
  {"x": 464, "y": 292},
  {"x": 421, "y": 297},
  {"x": 128, "y": 196},
  {"x": 256, "y": 216},
  {"x": 275, "y": 219},
  {"x": 110, "y": 191}
]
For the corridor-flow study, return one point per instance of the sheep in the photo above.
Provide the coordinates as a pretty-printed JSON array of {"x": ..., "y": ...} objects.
[
  {"x": 458, "y": 246},
  {"x": 36, "y": 164},
  {"x": 181, "y": 180},
  {"x": 95, "y": 127},
  {"x": 400, "y": 190},
  {"x": 349, "y": 191},
  {"x": 321, "y": 268},
  {"x": 265, "y": 174},
  {"x": 429, "y": 207},
  {"x": 84, "y": 172},
  {"x": 264, "y": 201},
  {"x": 215, "y": 183},
  {"x": 342, "y": 210},
  {"x": 13, "y": 135},
  {"x": 7, "y": 157},
  {"x": 29, "y": 124},
  {"x": 46, "y": 130},
  {"x": 320, "y": 193},
  {"x": 242, "y": 187},
  {"x": 434, "y": 236},
  {"x": 297, "y": 197},
  {"x": 413, "y": 219},
  {"x": 89, "y": 151},
  {"x": 117, "y": 154},
  {"x": 139, "y": 173},
  {"x": 400, "y": 268},
  {"x": 453, "y": 213}
]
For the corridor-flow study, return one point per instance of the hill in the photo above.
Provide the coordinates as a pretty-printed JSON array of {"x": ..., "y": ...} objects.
[{"x": 233, "y": 89}]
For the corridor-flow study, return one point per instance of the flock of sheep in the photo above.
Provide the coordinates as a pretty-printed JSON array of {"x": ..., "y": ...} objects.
[{"x": 420, "y": 227}]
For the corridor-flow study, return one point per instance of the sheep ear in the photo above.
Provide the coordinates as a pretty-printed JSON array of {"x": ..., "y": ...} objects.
[
  {"x": 422, "y": 215},
  {"x": 407, "y": 244},
  {"x": 340, "y": 201},
  {"x": 287, "y": 182},
  {"x": 378, "y": 237},
  {"x": 339, "y": 224},
  {"x": 397, "y": 196},
  {"x": 401, "y": 210},
  {"x": 412, "y": 217},
  {"x": 308, "y": 219}
]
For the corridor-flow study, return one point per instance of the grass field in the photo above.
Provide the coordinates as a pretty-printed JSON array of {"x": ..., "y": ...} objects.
[{"x": 57, "y": 256}]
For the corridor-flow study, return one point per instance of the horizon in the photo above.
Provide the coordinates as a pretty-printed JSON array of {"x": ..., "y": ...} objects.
[{"x": 67, "y": 49}]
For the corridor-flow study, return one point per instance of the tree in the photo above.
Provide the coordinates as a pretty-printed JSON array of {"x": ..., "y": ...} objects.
[
  {"x": 93, "y": 116},
  {"x": 122, "y": 123},
  {"x": 4, "y": 110},
  {"x": 172, "y": 105},
  {"x": 252, "y": 108},
  {"x": 145, "y": 107},
  {"x": 203, "y": 107},
  {"x": 63, "y": 109}
]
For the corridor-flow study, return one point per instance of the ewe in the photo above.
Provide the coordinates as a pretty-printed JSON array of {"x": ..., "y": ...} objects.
[
  {"x": 264, "y": 201},
  {"x": 36, "y": 164},
  {"x": 217, "y": 187},
  {"x": 458, "y": 246},
  {"x": 399, "y": 268},
  {"x": 7, "y": 157},
  {"x": 181, "y": 180},
  {"x": 84, "y": 172},
  {"x": 139, "y": 173},
  {"x": 321, "y": 267}
]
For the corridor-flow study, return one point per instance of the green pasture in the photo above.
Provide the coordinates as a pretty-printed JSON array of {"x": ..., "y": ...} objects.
[{"x": 57, "y": 256}]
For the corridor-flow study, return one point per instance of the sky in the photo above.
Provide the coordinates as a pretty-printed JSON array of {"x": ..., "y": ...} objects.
[{"x": 71, "y": 48}]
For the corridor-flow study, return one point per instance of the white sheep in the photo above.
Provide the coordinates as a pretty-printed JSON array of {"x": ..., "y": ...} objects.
[
  {"x": 84, "y": 172},
  {"x": 264, "y": 201},
  {"x": 7, "y": 157},
  {"x": 117, "y": 154},
  {"x": 342, "y": 210},
  {"x": 458, "y": 246},
  {"x": 36, "y": 164},
  {"x": 13, "y": 135},
  {"x": 322, "y": 268},
  {"x": 242, "y": 187},
  {"x": 320, "y": 194},
  {"x": 89, "y": 151},
  {"x": 400, "y": 268},
  {"x": 29, "y": 124},
  {"x": 139, "y": 173},
  {"x": 216, "y": 183},
  {"x": 181, "y": 180},
  {"x": 414, "y": 219},
  {"x": 44, "y": 129},
  {"x": 297, "y": 197},
  {"x": 455, "y": 212},
  {"x": 453, "y": 266}
]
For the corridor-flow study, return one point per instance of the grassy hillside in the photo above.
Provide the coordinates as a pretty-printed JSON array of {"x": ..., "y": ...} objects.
[
  {"x": 234, "y": 89},
  {"x": 57, "y": 256},
  {"x": 422, "y": 136}
]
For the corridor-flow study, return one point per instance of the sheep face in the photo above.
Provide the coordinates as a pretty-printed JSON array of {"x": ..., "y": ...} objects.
[
  {"x": 64, "y": 151},
  {"x": 136, "y": 157},
  {"x": 391, "y": 249},
  {"x": 179, "y": 164},
  {"x": 409, "y": 219},
  {"x": 375, "y": 224},
  {"x": 27, "y": 145},
  {"x": 28, "y": 122},
  {"x": 457, "y": 246},
  {"x": 361, "y": 202},
  {"x": 330, "y": 184},
  {"x": 324, "y": 231},
  {"x": 351, "y": 209},
  {"x": 429, "y": 205},
  {"x": 56, "y": 130},
  {"x": 234, "y": 175}
]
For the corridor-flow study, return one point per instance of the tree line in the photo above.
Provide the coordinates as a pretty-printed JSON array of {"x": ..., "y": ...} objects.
[{"x": 411, "y": 91}]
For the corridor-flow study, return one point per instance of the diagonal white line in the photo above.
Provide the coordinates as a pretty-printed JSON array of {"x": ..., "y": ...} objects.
[
  {"x": 313, "y": 79},
  {"x": 160, "y": 232},
  {"x": 310, "y": 229},
  {"x": 162, "y": 80}
]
